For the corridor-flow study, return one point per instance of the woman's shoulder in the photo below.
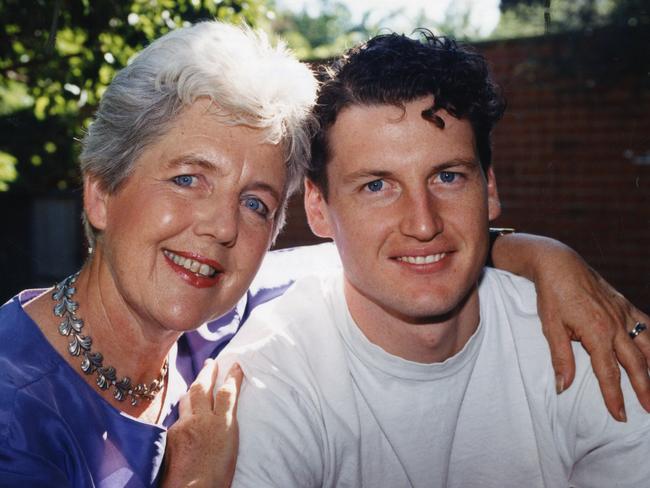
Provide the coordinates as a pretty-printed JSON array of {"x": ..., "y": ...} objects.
[
  {"x": 25, "y": 353},
  {"x": 55, "y": 424}
]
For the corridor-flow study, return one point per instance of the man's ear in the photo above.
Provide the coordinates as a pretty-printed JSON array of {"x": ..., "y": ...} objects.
[
  {"x": 494, "y": 204},
  {"x": 95, "y": 202},
  {"x": 316, "y": 210}
]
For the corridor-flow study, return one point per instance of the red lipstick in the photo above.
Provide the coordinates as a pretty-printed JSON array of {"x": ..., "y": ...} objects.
[{"x": 195, "y": 279}]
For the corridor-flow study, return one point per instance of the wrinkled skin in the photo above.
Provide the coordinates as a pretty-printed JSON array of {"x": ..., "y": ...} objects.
[{"x": 202, "y": 445}]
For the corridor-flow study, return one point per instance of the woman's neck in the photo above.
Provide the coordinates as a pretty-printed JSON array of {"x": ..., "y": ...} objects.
[{"x": 136, "y": 348}]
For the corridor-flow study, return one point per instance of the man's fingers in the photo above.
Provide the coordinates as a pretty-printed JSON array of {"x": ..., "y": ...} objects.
[
  {"x": 634, "y": 362},
  {"x": 607, "y": 371},
  {"x": 225, "y": 401},
  {"x": 642, "y": 341},
  {"x": 561, "y": 354}
]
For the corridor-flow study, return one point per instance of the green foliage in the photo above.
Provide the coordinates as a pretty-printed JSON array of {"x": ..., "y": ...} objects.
[
  {"x": 456, "y": 22},
  {"x": 7, "y": 170},
  {"x": 535, "y": 17},
  {"x": 325, "y": 35},
  {"x": 333, "y": 30},
  {"x": 56, "y": 59}
]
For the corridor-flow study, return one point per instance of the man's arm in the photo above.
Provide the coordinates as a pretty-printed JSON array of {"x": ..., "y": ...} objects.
[
  {"x": 575, "y": 303},
  {"x": 601, "y": 452},
  {"x": 280, "y": 443}
]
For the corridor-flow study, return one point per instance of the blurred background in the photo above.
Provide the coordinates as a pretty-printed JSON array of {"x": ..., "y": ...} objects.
[{"x": 572, "y": 155}]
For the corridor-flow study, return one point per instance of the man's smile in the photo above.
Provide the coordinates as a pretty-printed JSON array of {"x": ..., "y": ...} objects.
[{"x": 428, "y": 259}]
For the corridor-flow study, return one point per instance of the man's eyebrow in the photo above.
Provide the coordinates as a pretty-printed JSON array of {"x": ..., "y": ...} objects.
[
  {"x": 366, "y": 173},
  {"x": 378, "y": 174},
  {"x": 471, "y": 162}
]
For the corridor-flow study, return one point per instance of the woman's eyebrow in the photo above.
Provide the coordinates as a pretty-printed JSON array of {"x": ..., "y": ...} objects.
[
  {"x": 261, "y": 186},
  {"x": 193, "y": 159}
]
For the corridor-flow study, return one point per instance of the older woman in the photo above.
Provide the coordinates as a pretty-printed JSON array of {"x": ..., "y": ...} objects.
[
  {"x": 186, "y": 170},
  {"x": 195, "y": 149}
]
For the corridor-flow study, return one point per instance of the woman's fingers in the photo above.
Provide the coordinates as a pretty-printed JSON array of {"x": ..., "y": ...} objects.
[
  {"x": 202, "y": 445},
  {"x": 199, "y": 398},
  {"x": 225, "y": 401},
  {"x": 225, "y": 413}
]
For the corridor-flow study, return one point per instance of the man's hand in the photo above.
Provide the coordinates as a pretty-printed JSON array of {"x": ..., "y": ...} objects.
[
  {"x": 202, "y": 445},
  {"x": 576, "y": 303}
]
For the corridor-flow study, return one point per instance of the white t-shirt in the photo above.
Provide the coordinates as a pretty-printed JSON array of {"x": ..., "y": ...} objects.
[{"x": 322, "y": 406}]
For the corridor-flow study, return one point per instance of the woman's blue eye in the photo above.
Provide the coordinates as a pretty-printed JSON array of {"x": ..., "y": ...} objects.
[
  {"x": 375, "y": 186},
  {"x": 184, "y": 180},
  {"x": 447, "y": 176},
  {"x": 256, "y": 205}
]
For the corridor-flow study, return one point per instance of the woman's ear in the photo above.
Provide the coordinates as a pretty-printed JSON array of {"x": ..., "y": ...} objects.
[
  {"x": 316, "y": 210},
  {"x": 95, "y": 202}
]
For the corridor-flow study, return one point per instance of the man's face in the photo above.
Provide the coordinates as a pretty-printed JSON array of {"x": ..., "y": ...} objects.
[{"x": 408, "y": 207}]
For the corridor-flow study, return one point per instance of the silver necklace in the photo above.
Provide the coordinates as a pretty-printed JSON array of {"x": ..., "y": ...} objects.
[{"x": 92, "y": 362}]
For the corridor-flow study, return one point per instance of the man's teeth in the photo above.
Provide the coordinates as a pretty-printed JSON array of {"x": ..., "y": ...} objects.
[
  {"x": 431, "y": 258},
  {"x": 191, "y": 264}
]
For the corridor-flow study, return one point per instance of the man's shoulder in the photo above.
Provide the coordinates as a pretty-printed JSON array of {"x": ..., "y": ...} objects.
[
  {"x": 306, "y": 300},
  {"x": 282, "y": 267},
  {"x": 516, "y": 292},
  {"x": 509, "y": 303},
  {"x": 291, "y": 348},
  {"x": 511, "y": 309},
  {"x": 291, "y": 324}
]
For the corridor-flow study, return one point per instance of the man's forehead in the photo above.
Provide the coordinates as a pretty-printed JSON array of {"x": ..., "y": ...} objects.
[{"x": 384, "y": 131}]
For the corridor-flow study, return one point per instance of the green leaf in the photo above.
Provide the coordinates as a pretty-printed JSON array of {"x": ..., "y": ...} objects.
[{"x": 8, "y": 171}]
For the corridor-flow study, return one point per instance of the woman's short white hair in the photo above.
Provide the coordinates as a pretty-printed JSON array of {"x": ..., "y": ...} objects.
[{"x": 250, "y": 81}]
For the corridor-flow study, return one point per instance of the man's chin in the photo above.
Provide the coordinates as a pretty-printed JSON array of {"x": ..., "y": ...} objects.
[{"x": 436, "y": 308}]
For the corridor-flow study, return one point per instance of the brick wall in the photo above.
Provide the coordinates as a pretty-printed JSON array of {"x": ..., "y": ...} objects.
[{"x": 572, "y": 154}]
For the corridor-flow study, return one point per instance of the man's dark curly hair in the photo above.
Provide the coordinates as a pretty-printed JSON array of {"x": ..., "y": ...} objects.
[{"x": 395, "y": 69}]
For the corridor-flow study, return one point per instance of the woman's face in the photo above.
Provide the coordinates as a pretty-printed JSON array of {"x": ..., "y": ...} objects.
[{"x": 185, "y": 234}]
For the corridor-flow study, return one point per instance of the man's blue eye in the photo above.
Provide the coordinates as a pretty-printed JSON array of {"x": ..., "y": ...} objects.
[
  {"x": 184, "y": 180},
  {"x": 447, "y": 176},
  {"x": 375, "y": 186},
  {"x": 256, "y": 205}
]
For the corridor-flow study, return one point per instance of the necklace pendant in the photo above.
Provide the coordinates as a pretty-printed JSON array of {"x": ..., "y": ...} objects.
[
  {"x": 122, "y": 388},
  {"x": 105, "y": 377},
  {"x": 93, "y": 362},
  {"x": 69, "y": 325},
  {"x": 78, "y": 343}
]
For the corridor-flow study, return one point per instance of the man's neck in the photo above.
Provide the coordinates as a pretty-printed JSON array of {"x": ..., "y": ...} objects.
[{"x": 428, "y": 340}]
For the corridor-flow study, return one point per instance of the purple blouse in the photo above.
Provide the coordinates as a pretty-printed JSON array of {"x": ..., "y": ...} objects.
[{"x": 57, "y": 431}]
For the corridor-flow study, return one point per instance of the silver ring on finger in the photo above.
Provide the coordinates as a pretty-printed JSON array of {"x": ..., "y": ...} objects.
[{"x": 638, "y": 328}]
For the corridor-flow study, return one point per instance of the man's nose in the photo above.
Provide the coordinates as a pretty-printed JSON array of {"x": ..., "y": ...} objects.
[{"x": 421, "y": 219}]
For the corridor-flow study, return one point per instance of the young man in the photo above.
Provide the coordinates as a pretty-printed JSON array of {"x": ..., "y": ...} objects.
[{"x": 415, "y": 366}]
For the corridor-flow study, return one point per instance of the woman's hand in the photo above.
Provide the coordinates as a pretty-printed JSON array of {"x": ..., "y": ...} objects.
[
  {"x": 202, "y": 445},
  {"x": 576, "y": 303}
]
